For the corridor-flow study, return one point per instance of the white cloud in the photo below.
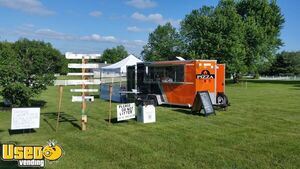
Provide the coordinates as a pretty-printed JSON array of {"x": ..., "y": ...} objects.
[
  {"x": 98, "y": 38},
  {"x": 155, "y": 18},
  {"x": 134, "y": 29},
  {"x": 132, "y": 43},
  {"x": 48, "y": 33},
  {"x": 137, "y": 29},
  {"x": 32, "y": 32},
  {"x": 25, "y": 29},
  {"x": 29, "y": 6},
  {"x": 95, "y": 13},
  {"x": 141, "y": 4},
  {"x": 111, "y": 39}
]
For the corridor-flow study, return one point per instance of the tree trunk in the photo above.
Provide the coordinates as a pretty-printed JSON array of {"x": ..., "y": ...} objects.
[{"x": 236, "y": 77}]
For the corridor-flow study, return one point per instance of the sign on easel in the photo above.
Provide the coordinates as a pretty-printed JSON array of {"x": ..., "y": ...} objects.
[
  {"x": 202, "y": 100},
  {"x": 25, "y": 118},
  {"x": 125, "y": 111}
]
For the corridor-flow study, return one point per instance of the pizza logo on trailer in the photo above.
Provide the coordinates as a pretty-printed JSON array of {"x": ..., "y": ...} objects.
[
  {"x": 205, "y": 74},
  {"x": 31, "y": 156}
]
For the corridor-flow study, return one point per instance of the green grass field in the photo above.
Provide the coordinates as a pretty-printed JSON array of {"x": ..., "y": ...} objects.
[{"x": 261, "y": 129}]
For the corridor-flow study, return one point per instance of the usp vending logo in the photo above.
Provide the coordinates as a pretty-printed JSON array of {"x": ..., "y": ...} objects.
[{"x": 31, "y": 156}]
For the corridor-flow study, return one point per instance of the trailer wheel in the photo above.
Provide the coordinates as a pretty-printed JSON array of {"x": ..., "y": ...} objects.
[{"x": 222, "y": 100}]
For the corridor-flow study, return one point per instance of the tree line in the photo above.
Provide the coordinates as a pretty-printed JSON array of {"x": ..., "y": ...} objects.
[
  {"x": 285, "y": 64},
  {"x": 242, "y": 34}
]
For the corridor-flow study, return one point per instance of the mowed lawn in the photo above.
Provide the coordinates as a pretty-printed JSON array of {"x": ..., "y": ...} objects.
[{"x": 261, "y": 129}]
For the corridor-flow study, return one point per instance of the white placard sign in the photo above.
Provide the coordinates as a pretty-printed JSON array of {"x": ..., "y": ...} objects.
[
  {"x": 25, "y": 118},
  {"x": 83, "y": 90},
  {"x": 76, "y": 82},
  {"x": 80, "y": 74},
  {"x": 125, "y": 111},
  {"x": 88, "y": 65},
  {"x": 79, "y": 98},
  {"x": 70, "y": 55}
]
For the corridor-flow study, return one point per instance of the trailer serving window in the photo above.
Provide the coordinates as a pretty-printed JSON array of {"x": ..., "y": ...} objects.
[{"x": 170, "y": 73}]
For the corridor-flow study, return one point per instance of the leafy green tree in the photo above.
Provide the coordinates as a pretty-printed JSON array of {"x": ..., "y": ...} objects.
[
  {"x": 262, "y": 22},
  {"x": 163, "y": 44},
  {"x": 27, "y": 68},
  {"x": 216, "y": 33},
  {"x": 243, "y": 34},
  {"x": 286, "y": 63},
  {"x": 10, "y": 67},
  {"x": 114, "y": 55}
]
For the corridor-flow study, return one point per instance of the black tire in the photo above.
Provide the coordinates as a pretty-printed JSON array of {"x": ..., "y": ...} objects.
[{"x": 222, "y": 100}]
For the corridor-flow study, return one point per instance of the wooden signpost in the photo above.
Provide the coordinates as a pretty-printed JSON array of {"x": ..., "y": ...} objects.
[
  {"x": 60, "y": 89},
  {"x": 84, "y": 82},
  {"x": 110, "y": 95},
  {"x": 83, "y": 105}
]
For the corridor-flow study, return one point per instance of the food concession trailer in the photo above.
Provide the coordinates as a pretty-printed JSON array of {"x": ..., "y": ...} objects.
[{"x": 177, "y": 82}]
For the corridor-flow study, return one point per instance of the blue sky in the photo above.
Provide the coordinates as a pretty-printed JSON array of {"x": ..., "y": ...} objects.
[{"x": 91, "y": 26}]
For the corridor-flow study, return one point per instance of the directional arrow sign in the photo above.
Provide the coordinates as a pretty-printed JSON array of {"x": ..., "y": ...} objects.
[
  {"x": 70, "y": 55},
  {"x": 79, "y": 98},
  {"x": 84, "y": 90},
  {"x": 89, "y": 65},
  {"x": 76, "y": 82}
]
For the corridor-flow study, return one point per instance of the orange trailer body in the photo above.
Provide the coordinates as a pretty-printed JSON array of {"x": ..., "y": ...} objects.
[{"x": 177, "y": 82}]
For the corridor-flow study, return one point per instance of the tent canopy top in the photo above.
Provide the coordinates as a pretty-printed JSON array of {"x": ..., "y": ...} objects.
[{"x": 128, "y": 61}]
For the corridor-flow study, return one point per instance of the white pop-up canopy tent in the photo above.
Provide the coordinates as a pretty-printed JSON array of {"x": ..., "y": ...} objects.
[{"x": 119, "y": 68}]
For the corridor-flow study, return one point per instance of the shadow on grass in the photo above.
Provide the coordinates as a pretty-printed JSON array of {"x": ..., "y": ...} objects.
[
  {"x": 33, "y": 103},
  {"x": 63, "y": 118},
  {"x": 107, "y": 101},
  {"x": 3, "y": 107},
  {"x": 115, "y": 121},
  {"x": 21, "y": 131},
  {"x": 189, "y": 112},
  {"x": 9, "y": 164},
  {"x": 49, "y": 124},
  {"x": 175, "y": 106},
  {"x": 296, "y": 87},
  {"x": 37, "y": 103},
  {"x": 13, "y": 165}
]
